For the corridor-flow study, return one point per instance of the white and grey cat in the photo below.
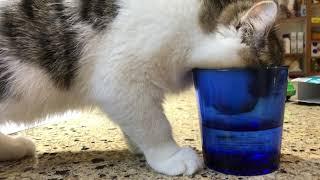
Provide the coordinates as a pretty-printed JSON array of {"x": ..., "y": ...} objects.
[{"x": 123, "y": 56}]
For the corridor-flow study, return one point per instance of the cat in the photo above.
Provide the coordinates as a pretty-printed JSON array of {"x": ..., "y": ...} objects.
[{"x": 123, "y": 56}]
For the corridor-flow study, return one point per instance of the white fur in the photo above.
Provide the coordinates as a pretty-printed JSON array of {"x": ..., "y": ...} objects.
[
  {"x": 149, "y": 51},
  {"x": 224, "y": 46},
  {"x": 35, "y": 95},
  {"x": 6, "y": 2}
]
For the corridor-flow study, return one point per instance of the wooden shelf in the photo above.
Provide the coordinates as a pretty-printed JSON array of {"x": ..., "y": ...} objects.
[
  {"x": 292, "y": 20},
  {"x": 307, "y": 60},
  {"x": 294, "y": 55},
  {"x": 315, "y": 25},
  {"x": 314, "y": 73},
  {"x": 309, "y": 27},
  {"x": 296, "y": 74}
]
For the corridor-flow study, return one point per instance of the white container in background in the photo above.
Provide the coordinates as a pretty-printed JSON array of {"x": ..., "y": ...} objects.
[
  {"x": 308, "y": 89},
  {"x": 286, "y": 43},
  {"x": 293, "y": 38},
  {"x": 300, "y": 42},
  {"x": 303, "y": 10}
]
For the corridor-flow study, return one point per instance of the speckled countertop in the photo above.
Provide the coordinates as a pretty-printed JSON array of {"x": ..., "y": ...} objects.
[{"x": 91, "y": 147}]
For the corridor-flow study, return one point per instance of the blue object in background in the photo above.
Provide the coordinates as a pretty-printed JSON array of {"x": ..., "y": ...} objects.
[{"x": 241, "y": 116}]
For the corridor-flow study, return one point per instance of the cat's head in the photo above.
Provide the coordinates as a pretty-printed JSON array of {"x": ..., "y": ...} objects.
[{"x": 254, "y": 24}]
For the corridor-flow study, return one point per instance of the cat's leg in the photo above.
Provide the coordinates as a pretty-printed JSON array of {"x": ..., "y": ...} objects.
[
  {"x": 140, "y": 115},
  {"x": 14, "y": 148},
  {"x": 133, "y": 147}
]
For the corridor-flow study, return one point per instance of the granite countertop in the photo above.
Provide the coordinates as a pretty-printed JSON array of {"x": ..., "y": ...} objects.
[{"x": 91, "y": 147}]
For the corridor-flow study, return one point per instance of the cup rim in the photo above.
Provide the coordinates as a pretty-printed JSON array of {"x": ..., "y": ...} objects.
[{"x": 241, "y": 69}]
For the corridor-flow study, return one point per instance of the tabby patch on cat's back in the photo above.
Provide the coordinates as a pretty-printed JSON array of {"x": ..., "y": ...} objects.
[{"x": 46, "y": 34}]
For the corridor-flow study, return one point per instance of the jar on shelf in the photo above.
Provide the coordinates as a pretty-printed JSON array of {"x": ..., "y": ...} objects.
[{"x": 315, "y": 65}]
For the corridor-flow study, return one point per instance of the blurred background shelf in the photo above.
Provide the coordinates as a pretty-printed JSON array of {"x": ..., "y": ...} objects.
[
  {"x": 296, "y": 74},
  {"x": 315, "y": 5},
  {"x": 299, "y": 23},
  {"x": 314, "y": 74},
  {"x": 315, "y": 25},
  {"x": 311, "y": 11},
  {"x": 294, "y": 55},
  {"x": 292, "y": 20}
]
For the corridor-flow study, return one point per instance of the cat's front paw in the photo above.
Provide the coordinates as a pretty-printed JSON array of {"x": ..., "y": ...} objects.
[
  {"x": 27, "y": 145},
  {"x": 15, "y": 148},
  {"x": 185, "y": 161}
]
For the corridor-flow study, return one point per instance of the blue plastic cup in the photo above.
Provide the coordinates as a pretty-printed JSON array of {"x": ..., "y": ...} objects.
[{"x": 241, "y": 116}]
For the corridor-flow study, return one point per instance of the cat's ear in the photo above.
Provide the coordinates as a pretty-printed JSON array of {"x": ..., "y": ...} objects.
[{"x": 262, "y": 15}]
